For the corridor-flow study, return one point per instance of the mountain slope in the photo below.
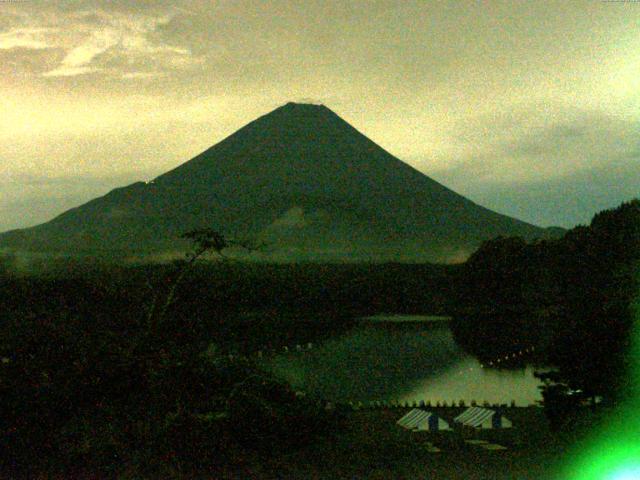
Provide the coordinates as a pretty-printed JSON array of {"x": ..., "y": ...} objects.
[{"x": 299, "y": 177}]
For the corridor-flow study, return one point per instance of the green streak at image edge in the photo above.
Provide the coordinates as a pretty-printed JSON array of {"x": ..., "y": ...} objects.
[{"x": 614, "y": 453}]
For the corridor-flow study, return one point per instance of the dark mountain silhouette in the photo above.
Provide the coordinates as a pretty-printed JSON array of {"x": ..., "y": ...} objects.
[{"x": 300, "y": 178}]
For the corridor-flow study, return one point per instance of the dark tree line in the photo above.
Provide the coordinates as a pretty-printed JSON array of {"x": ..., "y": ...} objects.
[
  {"x": 571, "y": 298},
  {"x": 125, "y": 370},
  {"x": 98, "y": 380}
]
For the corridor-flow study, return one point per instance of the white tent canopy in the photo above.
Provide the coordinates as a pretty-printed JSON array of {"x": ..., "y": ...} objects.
[
  {"x": 419, "y": 421},
  {"x": 478, "y": 417}
]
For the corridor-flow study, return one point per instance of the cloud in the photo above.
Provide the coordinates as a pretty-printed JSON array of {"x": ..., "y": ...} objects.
[
  {"x": 548, "y": 168},
  {"x": 395, "y": 72},
  {"x": 140, "y": 75},
  {"x": 100, "y": 41},
  {"x": 77, "y": 60},
  {"x": 29, "y": 38},
  {"x": 536, "y": 145},
  {"x": 67, "y": 71},
  {"x": 564, "y": 201},
  {"x": 124, "y": 40}
]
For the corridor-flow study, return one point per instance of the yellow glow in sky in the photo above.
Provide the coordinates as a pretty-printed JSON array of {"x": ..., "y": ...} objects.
[{"x": 478, "y": 95}]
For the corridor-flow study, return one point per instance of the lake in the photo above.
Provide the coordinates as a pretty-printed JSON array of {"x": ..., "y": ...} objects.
[{"x": 402, "y": 361}]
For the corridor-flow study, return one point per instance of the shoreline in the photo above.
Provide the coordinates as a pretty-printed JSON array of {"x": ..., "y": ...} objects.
[{"x": 384, "y": 318}]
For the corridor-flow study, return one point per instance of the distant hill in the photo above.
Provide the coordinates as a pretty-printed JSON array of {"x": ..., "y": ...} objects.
[{"x": 301, "y": 179}]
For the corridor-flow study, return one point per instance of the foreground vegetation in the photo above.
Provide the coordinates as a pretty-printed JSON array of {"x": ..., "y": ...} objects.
[
  {"x": 571, "y": 299},
  {"x": 370, "y": 445},
  {"x": 98, "y": 376},
  {"x": 143, "y": 372}
]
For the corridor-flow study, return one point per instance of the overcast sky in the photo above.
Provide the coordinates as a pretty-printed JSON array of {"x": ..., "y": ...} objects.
[{"x": 531, "y": 108}]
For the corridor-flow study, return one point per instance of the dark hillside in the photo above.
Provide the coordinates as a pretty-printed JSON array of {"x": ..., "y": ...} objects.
[{"x": 300, "y": 178}]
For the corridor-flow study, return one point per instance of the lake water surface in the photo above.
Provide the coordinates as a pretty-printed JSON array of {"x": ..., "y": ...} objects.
[{"x": 401, "y": 361}]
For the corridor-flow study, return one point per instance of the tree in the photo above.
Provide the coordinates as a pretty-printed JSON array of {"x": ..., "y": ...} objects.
[
  {"x": 204, "y": 241},
  {"x": 492, "y": 277},
  {"x": 600, "y": 283},
  {"x": 6, "y": 262},
  {"x": 572, "y": 298},
  {"x": 501, "y": 290},
  {"x": 112, "y": 389}
]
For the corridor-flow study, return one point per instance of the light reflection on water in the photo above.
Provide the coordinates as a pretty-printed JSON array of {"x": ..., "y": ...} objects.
[
  {"x": 401, "y": 362},
  {"x": 467, "y": 381}
]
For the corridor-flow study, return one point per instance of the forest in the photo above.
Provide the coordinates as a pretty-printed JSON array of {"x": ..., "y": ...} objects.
[
  {"x": 572, "y": 299},
  {"x": 143, "y": 370},
  {"x": 91, "y": 377}
]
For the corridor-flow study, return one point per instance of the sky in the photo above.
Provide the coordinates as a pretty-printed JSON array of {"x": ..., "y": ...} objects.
[{"x": 531, "y": 109}]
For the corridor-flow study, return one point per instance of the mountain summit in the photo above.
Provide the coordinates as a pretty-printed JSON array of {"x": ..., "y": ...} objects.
[{"x": 301, "y": 179}]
